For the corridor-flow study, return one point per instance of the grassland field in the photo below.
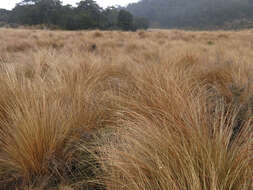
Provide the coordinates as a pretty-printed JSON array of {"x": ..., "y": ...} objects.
[{"x": 112, "y": 110}]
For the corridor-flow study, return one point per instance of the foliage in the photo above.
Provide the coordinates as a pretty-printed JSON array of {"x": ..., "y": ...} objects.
[
  {"x": 87, "y": 15},
  {"x": 125, "y": 20},
  {"x": 4, "y": 14}
]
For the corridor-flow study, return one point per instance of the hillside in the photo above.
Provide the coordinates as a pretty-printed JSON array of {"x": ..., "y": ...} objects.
[{"x": 198, "y": 14}]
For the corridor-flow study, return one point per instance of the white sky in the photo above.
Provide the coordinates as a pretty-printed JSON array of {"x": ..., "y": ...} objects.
[{"x": 9, "y": 4}]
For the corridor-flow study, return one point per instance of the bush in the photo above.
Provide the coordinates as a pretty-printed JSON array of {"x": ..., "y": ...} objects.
[{"x": 125, "y": 20}]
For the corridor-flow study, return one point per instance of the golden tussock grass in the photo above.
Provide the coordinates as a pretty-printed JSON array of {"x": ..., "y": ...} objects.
[{"x": 146, "y": 110}]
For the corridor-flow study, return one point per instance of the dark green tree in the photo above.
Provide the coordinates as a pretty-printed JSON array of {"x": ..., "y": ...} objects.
[
  {"x": 111, "y": 17},
  {"x": 90, "y": 13},
  {"x": 25, "y": 15},
  {"x": 34, "y": 12},
  {"x": 4, "y": 15},
  {"x": 125, "y": 20}
]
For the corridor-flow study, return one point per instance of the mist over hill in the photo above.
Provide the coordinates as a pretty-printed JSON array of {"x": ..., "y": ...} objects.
[{"x": 195, "y": 13}]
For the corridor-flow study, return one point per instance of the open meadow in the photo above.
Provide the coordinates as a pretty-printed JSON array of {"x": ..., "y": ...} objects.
[{"x": 112, "y": 110}]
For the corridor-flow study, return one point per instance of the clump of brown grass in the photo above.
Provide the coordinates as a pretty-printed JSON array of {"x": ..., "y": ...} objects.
[
  {"x": 229, "y": 82},
  {"x": 18, "y": 46},
  {"x": 169, "y": 140},
  {"x": 97, "y": 34},
  {"x": 142, "y": 34},
  {"x": 44, "y": 121}
]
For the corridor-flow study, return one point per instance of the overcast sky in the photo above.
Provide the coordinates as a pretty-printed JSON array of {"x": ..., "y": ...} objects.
[{"x": 9, "y": 4}]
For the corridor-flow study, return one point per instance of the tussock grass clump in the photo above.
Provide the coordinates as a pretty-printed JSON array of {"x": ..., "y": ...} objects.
[
  {"x": 43, "y": 123},
  {"x": 155, "y": 156},
  {"x": 97, "y": 34},
  {"x": 173, "y": 142}
]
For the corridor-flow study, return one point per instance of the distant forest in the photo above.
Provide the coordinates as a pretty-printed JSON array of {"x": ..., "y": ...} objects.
[
  {"x": 198, "y": 14},
  {"x": 86, "y": 15},
  {"x": 185, "y": 14}
]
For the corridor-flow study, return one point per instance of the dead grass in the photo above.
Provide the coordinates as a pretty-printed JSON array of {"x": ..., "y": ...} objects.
[{"x": 113, "y": 110}]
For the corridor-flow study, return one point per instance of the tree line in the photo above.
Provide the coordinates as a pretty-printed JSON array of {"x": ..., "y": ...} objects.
[
  {"x": 193, "y": 13},
  {"x": 86, "y": 15}
]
